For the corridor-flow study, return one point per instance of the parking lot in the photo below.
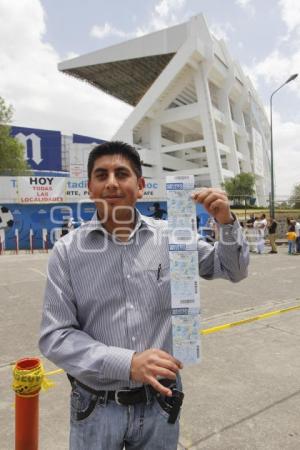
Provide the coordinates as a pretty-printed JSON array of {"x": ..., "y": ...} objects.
[{"x": 245, "y": 394}]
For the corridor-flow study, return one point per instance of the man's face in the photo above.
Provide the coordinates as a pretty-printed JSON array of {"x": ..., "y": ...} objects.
[{"x": 114, "y": 186}]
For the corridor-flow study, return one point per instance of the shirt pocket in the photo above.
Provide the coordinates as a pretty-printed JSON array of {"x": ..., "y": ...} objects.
[{"x": 157, "y": 289}]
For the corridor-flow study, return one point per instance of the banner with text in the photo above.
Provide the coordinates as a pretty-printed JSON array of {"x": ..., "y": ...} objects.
[
  {"x": 41, "y": 189},
  {"x": 47, "y": 189}
]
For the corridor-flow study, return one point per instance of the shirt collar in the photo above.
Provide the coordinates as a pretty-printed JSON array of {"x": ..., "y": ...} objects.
[{"x": 141, "y": 222}]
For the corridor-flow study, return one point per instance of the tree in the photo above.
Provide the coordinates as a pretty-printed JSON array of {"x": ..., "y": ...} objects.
[
  {"x": 294, "y": 199},
  {"x": 11, "y": 150},
  {"x": 240, "y": 188}
]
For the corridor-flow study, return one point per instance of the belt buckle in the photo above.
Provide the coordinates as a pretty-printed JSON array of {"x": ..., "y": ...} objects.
[{"x": 117, "y": 394}]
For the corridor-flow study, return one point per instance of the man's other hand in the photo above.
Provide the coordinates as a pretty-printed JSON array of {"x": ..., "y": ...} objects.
[{"x": 150, "y": 365}]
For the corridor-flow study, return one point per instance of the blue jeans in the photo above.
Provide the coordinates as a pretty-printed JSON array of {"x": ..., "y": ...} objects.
[
  {"x": 105, "y": 425},
  {"x": 291, "y": 247}
]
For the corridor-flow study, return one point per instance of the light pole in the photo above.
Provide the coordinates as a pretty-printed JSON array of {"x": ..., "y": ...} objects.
[{"x": 272, "y": 200}]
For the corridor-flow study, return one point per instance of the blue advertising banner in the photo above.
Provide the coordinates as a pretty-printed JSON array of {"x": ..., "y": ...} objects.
[
  {"x": 42, "y": 148},
  {"x": 54, "y": 217},
  {"x": 79, "y": 139}
]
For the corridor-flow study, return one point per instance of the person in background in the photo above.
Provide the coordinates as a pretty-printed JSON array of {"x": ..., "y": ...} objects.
[
  {"x": 250, "y": 233},
  {"x": 260, "y": 226},
  {"x": 65, "y": 227},
  {"x": 251, "y": 220},
  {"x": 158, "y": 212},
  {"x": 291, "y": 237},
  {"x": 272, "y": 235},
  {"x": 71, "y": 224}
]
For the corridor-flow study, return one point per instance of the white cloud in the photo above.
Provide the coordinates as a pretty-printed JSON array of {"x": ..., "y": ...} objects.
[
  {"x": 286, "y": 155},
  {"x": 290, "y": 13},
  {"x": 247, "y": 5},
  {"x": 276, "y": 69},
  {"x": 42, "y": 96},
  {"x": 166, "y": 14},
  {"x": 107, "y": 29},
  {"x": 165, "y": 7}
]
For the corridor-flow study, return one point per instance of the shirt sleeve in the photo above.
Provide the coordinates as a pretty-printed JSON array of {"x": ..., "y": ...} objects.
[
  {"x": 61, "y": 339},
  {"x": 228, "y": 258}
]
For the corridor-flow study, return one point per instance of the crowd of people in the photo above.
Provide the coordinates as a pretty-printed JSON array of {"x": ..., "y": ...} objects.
[{"x": 257, "y": 229}]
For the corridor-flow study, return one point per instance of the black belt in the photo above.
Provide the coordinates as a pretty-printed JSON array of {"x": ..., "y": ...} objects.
[
  {"x": 124, "y": 396},
  {"x": 134, "y": 396}
]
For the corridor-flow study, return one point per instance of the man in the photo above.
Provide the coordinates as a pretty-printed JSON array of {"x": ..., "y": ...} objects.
[
  {"x": 65, "y": 227},
  {"x": 71, "y": 224},
  {"x": 272, "y": 235},
  {"x": 260, "y": 226},
  {"x": 251, "y": 234},
  {"x": 158, "y": 212},
  {"x": 107, "y": 310}
]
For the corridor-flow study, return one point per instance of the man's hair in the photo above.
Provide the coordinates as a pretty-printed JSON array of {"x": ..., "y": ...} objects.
[{"x": 115, "y": 148}]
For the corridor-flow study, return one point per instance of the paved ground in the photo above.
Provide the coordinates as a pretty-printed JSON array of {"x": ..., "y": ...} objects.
[{"x": 244, "y": 395}]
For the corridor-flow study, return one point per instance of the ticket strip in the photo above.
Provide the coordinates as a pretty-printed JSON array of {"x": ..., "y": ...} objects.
[{"x": 182, "y": 233}]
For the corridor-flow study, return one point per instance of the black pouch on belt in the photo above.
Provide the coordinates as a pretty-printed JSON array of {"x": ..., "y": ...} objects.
[{"x": 172, "y": 404}]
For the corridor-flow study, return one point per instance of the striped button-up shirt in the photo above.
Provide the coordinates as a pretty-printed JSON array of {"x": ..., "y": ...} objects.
[{"x": 104, "y": 301}]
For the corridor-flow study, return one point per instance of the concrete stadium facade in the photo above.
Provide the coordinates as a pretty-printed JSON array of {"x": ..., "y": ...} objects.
[{"x": 195, "y": 111}]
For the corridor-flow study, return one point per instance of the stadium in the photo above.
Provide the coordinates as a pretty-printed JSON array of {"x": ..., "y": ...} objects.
[{"x": 195, "y": 112}]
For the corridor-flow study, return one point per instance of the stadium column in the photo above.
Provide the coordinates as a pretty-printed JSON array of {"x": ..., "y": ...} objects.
[
  {"x": 229, "y": 137},
  {"x": 243, "y": 138},
  {"x": 208, "y": 125},
  {"x": 155, "y": 147}
]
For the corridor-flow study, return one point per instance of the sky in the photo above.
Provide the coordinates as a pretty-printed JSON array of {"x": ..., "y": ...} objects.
[{"x": 35, "y": 35}]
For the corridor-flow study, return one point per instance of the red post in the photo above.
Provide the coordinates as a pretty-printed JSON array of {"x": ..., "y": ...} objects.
[{"x": 28, "y": 374}]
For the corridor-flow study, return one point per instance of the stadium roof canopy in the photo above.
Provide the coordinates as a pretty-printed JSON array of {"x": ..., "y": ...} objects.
[{"x": 127, "y": 70}]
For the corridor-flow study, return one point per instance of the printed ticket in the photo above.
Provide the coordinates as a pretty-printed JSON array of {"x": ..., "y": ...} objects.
[
  {"x": 182, "y": 234},
  {"x": 186, "y": 338}
]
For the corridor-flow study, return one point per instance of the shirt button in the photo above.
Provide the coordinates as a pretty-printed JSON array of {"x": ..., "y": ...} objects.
[
  {"x": 133, "y": 338},
  {"x": 131, "y": 306},
  {"x": 128, "y": 276}
]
